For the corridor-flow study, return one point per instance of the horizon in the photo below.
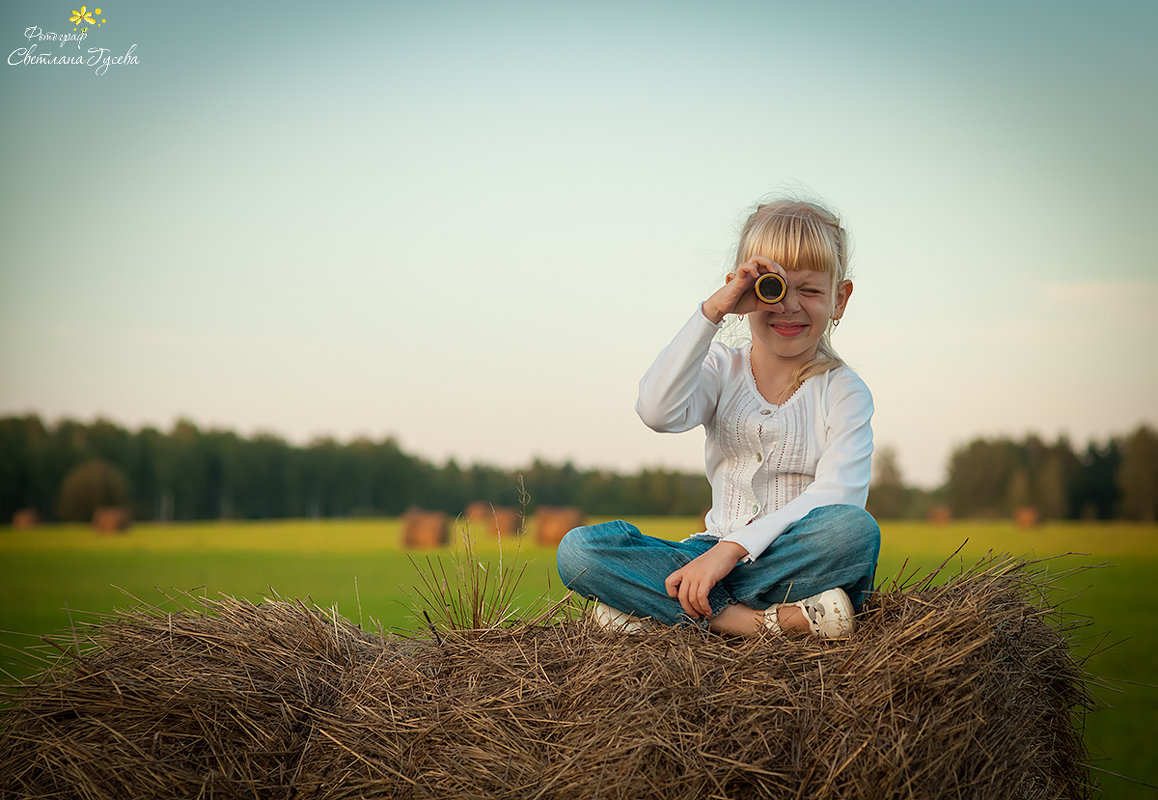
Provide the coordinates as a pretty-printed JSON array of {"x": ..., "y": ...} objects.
[{"x": 1078, "y": 448}]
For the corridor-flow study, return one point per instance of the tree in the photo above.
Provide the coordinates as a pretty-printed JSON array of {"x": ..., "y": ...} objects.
[
  {"x": 979, "y": 478},
  {"x": 886, "y": 498},
  {"x": 1096, "y": 493},
  {"x": 1051, "y": 489},
  {"x": 1017, "y": 493},
  {"x": 26, "y": 479},
  {"x": 90, "y": 486},
  {"x": 1138, "y": 476}
]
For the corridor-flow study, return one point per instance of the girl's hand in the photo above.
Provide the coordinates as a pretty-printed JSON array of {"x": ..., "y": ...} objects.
[
  {"x": 736, "y": 295},
  {"x": 692, "y": 582}
]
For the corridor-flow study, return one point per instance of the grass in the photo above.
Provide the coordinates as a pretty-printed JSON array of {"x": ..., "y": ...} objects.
[{"x": 358, "y": 567}]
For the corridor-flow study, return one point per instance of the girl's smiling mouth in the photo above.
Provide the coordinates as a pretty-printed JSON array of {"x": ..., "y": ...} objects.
[{"x": 789, "y": 329}]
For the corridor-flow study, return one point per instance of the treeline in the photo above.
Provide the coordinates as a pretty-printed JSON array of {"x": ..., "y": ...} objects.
[
  {"x": 991, "y": 478},
  {"x": 65, "y": 471}
]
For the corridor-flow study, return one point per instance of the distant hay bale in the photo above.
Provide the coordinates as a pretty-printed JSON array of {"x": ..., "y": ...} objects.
[
  {"x": 493, "y": 520},
  {"x": 1026, "y": 517},
  {"x": 967, "y": 690},
  {"x": 111, "y": 519},
  {"x": 424, "y": 530},
  {"x": 552, "y": 524},
  {"x": 939, "y": 515},
  {"x": 25, "y": 519}
]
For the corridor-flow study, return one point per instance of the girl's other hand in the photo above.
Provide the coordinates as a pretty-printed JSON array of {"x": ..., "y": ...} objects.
[
  {"x": 692, "y": 582},
  {"x": 736, "y": 296}
]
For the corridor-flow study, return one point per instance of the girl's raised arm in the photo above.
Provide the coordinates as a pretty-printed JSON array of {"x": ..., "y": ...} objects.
[{"x": 680, "y": 389}]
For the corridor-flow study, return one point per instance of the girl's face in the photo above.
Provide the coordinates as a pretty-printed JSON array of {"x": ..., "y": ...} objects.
[{"x": 791, "y": 329}]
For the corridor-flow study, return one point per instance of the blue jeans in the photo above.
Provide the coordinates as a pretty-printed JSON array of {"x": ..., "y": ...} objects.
[{"x": 834, "y": 546}]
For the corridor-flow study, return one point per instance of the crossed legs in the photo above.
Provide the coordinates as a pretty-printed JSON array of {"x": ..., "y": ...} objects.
[{"x": 834, "y": 546}]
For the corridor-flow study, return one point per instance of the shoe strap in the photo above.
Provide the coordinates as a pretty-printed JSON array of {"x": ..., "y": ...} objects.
[
  {"x": 803, "y": 605},
  {"x": 772, "y": 619}
]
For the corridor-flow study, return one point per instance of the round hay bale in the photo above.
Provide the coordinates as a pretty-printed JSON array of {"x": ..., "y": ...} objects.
[
  {"x": 964, "y": 690},
  {"x": 25, "y": 519},
  {"x": 425, "y": 530},
  {"x": 111, "y": 519},
  {"x": 553, "y": 523},
  {"x": 1026, "y": 517},
  {"x": 939, "y": 515},
  {"x": 493, "y": 521}
]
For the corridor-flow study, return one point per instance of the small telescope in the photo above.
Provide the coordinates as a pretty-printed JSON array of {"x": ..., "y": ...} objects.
[{"x": 771, "y": 288}]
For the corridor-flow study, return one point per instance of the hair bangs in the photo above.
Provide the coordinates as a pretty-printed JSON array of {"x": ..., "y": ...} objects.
[{"x": 796, "y": 237}]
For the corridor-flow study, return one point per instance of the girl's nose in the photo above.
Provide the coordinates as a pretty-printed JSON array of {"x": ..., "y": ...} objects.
[{"x": 791, "y": 302}]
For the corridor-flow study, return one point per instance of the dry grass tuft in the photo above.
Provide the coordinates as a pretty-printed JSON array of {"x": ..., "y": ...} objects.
[{"x": 967, "y": 689}]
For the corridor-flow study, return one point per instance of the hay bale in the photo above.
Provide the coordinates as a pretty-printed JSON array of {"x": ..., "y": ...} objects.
[
  {"x": 111, "y": 520},
  {"x": 25, "y": 519},
  {"x": 967, "y": 690},
  {"x": 552, "y": 524},
  {"x": 1026, "y": 517},
  {"x": 939, "y": 515},
  {"x": 493, "y": 521},
  {"x": 424, "y": 530}
]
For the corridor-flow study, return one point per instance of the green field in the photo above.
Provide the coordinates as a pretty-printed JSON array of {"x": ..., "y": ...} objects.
[{"x": 358, "y": 567}]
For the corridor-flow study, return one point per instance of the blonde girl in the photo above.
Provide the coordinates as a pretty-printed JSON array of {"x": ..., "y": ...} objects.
[{"x": 788, "y": 544}]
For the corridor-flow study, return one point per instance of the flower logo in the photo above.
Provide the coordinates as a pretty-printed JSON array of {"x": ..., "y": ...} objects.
[{"x": 84, "y": 15}]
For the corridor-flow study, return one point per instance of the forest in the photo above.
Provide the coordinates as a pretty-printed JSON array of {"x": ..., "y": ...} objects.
[{"x": 64, "y": 471}]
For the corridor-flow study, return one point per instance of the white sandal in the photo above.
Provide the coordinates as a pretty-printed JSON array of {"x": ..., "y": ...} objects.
[
  {"x": 829, "y": 614},
  {"x": 612, "y": 619}
]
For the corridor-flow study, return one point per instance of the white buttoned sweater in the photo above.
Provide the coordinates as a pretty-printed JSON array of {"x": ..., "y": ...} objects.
[{"x": 768, "y": 465}]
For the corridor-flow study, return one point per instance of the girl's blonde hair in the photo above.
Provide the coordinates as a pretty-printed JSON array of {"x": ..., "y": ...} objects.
[{"x": 799, "y": 234}]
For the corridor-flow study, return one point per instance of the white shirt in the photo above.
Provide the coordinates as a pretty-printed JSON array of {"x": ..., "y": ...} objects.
[{"x": 768, "y": 465}]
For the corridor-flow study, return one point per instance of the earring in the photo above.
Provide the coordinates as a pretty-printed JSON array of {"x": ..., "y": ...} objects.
[{"x": 835, "y": 321}]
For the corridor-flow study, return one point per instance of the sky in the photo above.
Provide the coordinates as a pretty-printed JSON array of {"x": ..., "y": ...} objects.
[{"x": 472, "y": 226}]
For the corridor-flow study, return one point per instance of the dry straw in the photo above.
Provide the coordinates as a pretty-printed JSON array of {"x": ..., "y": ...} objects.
[{"x": 964, "y": 690}]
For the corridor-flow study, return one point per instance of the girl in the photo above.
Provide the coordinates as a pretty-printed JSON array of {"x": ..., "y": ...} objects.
[{"x": 788, "y": 544}]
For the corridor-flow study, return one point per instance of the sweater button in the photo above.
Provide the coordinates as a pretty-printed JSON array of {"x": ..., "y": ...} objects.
[
  {"x": 766, "y": 411},
  {"x": 756, "y": 509},
  {"x": 759, "y": 456}
]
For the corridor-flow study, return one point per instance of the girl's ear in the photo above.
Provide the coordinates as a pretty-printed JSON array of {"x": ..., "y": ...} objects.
[{"x": 843, "y": 292}]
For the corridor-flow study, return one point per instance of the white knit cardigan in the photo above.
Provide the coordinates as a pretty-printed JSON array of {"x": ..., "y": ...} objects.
[{"x": 768, "y": 465}]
